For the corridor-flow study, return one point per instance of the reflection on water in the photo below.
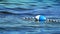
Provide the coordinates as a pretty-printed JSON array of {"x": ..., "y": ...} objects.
[{"x": 11, "y": 12}]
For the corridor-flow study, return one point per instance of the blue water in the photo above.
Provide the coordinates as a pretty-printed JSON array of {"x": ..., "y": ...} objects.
[{"x": 12, "y": 10}]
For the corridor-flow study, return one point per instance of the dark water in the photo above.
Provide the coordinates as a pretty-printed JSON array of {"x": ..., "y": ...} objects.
[{"x": 12, "y": 10}]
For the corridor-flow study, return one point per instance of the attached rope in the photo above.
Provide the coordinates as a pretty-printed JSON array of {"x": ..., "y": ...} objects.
[{"x": 41, "y": 18}]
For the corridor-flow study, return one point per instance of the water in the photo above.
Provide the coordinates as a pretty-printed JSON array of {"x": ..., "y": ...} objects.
[{"x": 12, "y": 10}]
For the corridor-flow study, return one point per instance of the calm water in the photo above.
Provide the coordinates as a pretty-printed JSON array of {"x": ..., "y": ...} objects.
[{"x": 12, "y": 10}]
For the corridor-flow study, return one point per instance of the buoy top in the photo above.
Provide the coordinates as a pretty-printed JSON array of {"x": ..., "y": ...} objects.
[{"x": 40, "y": 18}]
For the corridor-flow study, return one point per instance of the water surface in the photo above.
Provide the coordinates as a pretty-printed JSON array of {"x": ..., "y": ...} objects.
[{"x": 12, "y": 10}]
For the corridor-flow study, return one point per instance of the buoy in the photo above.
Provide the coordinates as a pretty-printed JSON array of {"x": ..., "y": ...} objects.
[{"x": 40, "y": 18}]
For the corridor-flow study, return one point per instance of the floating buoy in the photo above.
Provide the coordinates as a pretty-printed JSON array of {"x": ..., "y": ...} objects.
[{"x": 40, "y": 18}]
